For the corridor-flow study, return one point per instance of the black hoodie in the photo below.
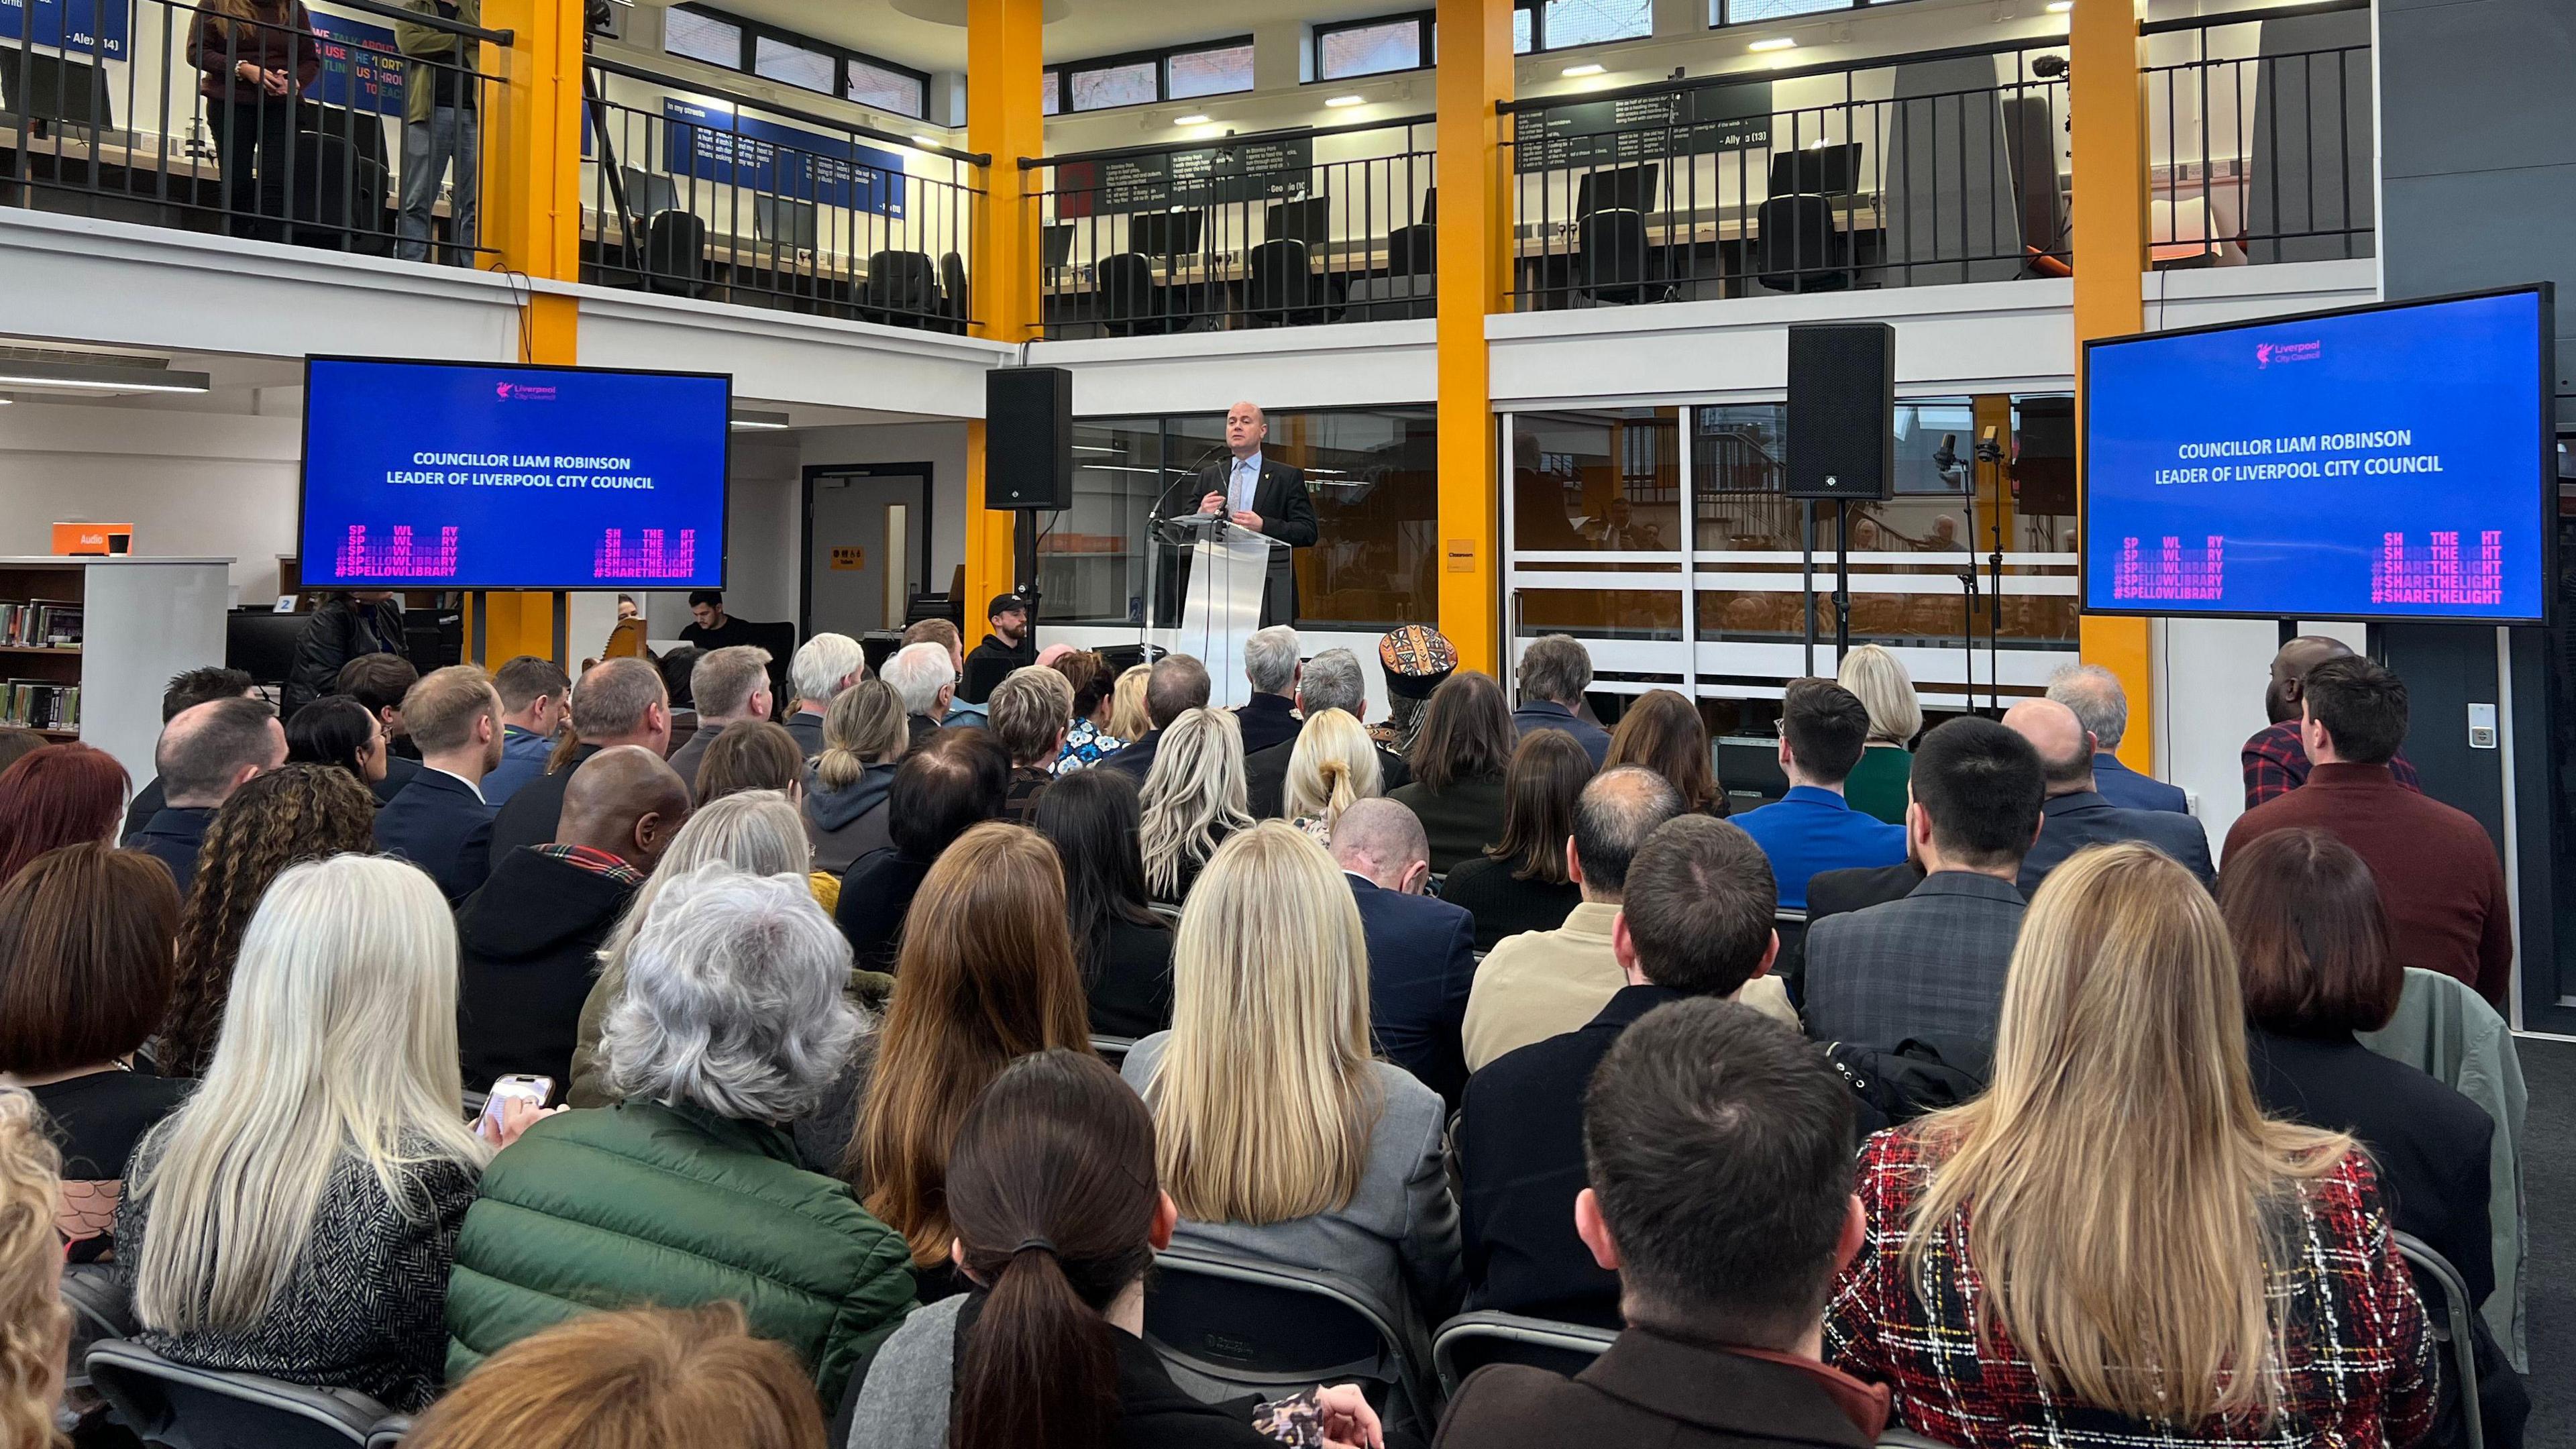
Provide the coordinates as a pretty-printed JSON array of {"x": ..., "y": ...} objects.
[{"x": 529, "y": 951}]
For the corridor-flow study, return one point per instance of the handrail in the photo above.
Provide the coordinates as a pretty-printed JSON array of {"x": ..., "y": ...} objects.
[
  {"x": 739, "y": 100},
  {"x": 2241, "y": 17},
  {"x": 1284, "y": 133},
  {"x": 1758, "y": 77},
  {"x": 430, "y": 18}
]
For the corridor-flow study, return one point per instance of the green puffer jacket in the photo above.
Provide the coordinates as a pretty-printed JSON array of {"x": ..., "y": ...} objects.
[{"x": 638, "y": 1203}]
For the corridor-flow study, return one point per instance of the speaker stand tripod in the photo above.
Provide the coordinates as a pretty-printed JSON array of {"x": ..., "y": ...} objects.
[{"x": 1842, "y": 581}]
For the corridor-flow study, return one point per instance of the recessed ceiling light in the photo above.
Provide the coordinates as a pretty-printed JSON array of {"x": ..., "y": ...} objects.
[
  {"x": 1190, "y": 121},
  {"x": 1777, "y": 42},
  {"x": 1573, "y": 72},
  {"x": 116, "y": 376},
  {"x": 749, "y": 421},
  {"x": 932, "y": 141},
  {"x": 1343, "y": 100}
]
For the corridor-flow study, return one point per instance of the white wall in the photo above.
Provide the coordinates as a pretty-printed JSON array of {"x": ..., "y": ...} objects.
[
  {"x": 1352, "y": 365},
  {"x": 196, "y": 484}
]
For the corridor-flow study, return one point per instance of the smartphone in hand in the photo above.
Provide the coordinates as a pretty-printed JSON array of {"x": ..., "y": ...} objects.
[{"x": 533, "y": 1090}]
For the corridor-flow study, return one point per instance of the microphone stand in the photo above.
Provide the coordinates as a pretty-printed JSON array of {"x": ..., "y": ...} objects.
[
  {"x": 1991, "y": 452},
  {"x": 1947, "y": 460}
]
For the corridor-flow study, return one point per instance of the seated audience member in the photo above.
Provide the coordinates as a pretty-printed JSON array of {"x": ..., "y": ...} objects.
[
  {"x": 1123, "y": 948},
  {"x": 751, "y": 754},
  {"x": 1876, "y": 786},
  {"x": 2102, "y": 707},
  {"x": 1008, "y": 644},
  {"x": 1663, "y": 732},
  {"x": 2009, "y": 1290},
  {"x": 823, "y": 666},
  {"x": 530, "y": 938},
  {"x": 988, "y": 977},
  {"x": 955, "y": 780},
  {"x": 1331, "y": 765},
  {"x": 1330, "y": 680},
  {"x": 290, "y": 815},
  {"x": 1458, "y": 763},
  {"x": 85, "y": 935},
  {"x": 1555, "y": 671},
  {"x": 615, "y": 702},
  {"x": 337, "y": 730},
  {"x": 1087, "y": 737},
  {"x": 1823, "y": 730},
  {"x": 2436, "y": 867},
  {"x": 1832, "y": 892},
  {"x": 532, "y": 706},
  {"x": 756, "y": 832},
  {"x": 1421, "y": 951},
  {"x": 205, "y": 754},
  {"x": 710, "y": 627},
  {"x": 65, "y": 794},
  {"x": 2313, "y": 951},
  {"x": 1270, "y": 667},
  {"x": 1192, "y": 800},
  {"x": 186, "y": 690},
  {"x": 31, "y": 1270},
  {"x": 1027, "y": 713},
  {"x": 1697, "y": 922},
  {"x": 1520, "y": 882},
  {"x": 1052, "y": 1187},
  {"x": 1176, "y": 685},
  {"x": 944, "y": 634},
  {"x": 1416, "y": 660},
  {"x": 295, "y": 1216},
  {"x": 1718, "y": 1151},
  {"x": 926, "y": 682},
  {"x": 2275, "y": 758},
  {"x": 2076, "y": 816},
  {"x": 1129, "y": 719},
  {"x": 730, "y": 1027},
  {"x": 378, "y": 683},
  {"x": 1931, "y": 966},
  {"x": 1279, "y": 1135},
  {"x": 440, "y": 822},
  {"x": 729, "y": 685},
  {"x": 642, "y": 1376},
  {"x": 864, "y": 739},
  {"x": 677, "y": 669}
]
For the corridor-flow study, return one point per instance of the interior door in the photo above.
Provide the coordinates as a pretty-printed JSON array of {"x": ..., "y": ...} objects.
[{"x": 866, "y": 546}]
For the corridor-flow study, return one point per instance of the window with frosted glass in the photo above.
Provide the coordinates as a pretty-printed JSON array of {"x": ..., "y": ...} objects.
[
  {"x": 887, "y": 90},
  {"x": 779, "y": 60},
  {"x": 1592, "y": 22},
  {"x": 1051, "y": 93},
  {"x": 1359, "y": 50},
  {"x": 1521, "y": 31},
  {"x": 702, "y": 37},
  {"x": 1116, "y": 85},
  {"x": 1217, "y": 72},
  {"x": 1748, "y": 12}
]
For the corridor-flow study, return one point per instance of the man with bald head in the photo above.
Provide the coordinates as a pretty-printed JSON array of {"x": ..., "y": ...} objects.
[
  {"x": 206, "y": 752},
  {"x": 1422, "y": 952},
  {"x": 2275, "y": 760},
  {"x": 2075, "y": 815},
  {"x": 528, "y": 941},
  {"x": 615, "y": 702},
  {"x": 1264, "y": 496}
]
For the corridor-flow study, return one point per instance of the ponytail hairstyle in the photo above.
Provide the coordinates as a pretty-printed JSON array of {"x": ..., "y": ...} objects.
[
  {"x": 1053, "y": 1193},
  {"x": 863, "y": 726},
  {"x": 1333, "y": 764}
]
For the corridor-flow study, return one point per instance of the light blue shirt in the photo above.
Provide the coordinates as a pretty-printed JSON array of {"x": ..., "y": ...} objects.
[{"x": 1242, "y": 477}]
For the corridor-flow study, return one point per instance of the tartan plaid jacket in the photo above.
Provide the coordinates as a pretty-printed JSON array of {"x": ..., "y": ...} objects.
[
  {"x": 2359, "y": 1359},
  {"x": 2275, "y": 763}
]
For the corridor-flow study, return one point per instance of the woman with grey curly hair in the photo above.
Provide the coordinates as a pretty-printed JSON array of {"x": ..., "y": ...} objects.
[{"x": 731, "y": 1024}]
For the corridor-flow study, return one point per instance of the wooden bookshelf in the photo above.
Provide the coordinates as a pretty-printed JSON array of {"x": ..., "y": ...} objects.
[{"x": 143, "y": 620}]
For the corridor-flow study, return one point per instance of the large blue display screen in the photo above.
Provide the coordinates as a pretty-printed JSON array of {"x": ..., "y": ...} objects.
[
  {"x": 433, "y": 475},
  {"x": 2381, "y": 463}
]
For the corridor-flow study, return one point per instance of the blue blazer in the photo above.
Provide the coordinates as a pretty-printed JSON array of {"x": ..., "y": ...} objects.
[
  {"x": 1422, "y": 960},
  {"x": 2130, "y": 790},
  {"x": 1810, "y": 830},
  {"x": 438, "y": 823},
  {"x": 1542, "y": 714},
  {"x": 2069, "y": 823}
]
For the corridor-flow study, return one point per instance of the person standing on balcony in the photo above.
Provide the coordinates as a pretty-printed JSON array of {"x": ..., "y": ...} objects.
[
  {"x": 441, "y": 127},
  {"x": 257, "y": 55}
]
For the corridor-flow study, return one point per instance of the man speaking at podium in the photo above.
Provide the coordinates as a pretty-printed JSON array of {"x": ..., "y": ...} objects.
[{"x": 1263, "y": 496}]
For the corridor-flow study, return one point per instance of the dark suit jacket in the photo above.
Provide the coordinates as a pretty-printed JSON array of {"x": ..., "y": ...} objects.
[
  {"x": 1650, "y": 1389},
  {"x": 1267, "y": 720},
  {"x": 146, "y": 804},
  {"x": 1136, "y": 761},
  {"x": 2069, "y": 823},
  {"x": 808, "y": 730},
  {"x": 1929, "y": 966},
  {"x": 441, "y": 825},
  {"x": 1265, "y": 777},
  {"x": 1520, "y": 1164},
  {"x": 1541, "y": 714},
  {"x": 1858, "y": 888},
  {"x": 2130, "y": 790},
  {"x": 1287, "y": 514},
  {"x": 1422, "y": 960},
  {"x": 536, "y": 808},
  {"x": 398, "y": 773},
  {"x": 172, "y": 837},
  {"x": 876, "y": 892}
]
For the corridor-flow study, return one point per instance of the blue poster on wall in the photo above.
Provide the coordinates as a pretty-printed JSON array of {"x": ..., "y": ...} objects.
[
  {"x": 89, "y": 27},
  {"x": 361, "y": 69},
  {"x": 731, "y": 150}
]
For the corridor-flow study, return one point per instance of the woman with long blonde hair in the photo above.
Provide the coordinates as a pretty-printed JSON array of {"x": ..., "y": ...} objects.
[
  {"x": 2114, "y": 1244},
  {"x": 1279, "y": 1134},
  {"x": 1333, "y": 763},
  {"x": 1194, "y": 797},
  {"x": 34, "y": 1327}
]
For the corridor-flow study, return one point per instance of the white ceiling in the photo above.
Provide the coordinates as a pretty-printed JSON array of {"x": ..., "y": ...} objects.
[{"x": 1076, "y": 29}]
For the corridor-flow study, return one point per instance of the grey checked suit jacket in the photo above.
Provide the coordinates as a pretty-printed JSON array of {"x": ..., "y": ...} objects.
[{"x": 1930, "y": 965}]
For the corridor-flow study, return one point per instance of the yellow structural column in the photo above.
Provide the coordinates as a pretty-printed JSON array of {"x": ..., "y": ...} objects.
[
  {"x": 2106, "y": 100},
  {"x": 1005, "y": 120},
  {"x": 1474, "y": 262}
]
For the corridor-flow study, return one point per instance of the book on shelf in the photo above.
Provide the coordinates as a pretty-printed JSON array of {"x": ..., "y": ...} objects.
[
  {"x": 41, "y": 624},
  {"x": 41, "y": 704}
]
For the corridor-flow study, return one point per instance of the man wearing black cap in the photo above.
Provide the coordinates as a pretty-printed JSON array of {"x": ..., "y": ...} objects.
[{"x": 1011, "y": 645}]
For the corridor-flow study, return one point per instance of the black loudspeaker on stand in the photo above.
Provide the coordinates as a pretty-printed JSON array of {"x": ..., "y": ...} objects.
[
  {"x": 1028, "y": 457},
  {"x": 1842, "y": 432}
]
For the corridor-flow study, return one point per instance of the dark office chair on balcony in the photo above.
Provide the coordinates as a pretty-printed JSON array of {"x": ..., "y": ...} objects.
[
  {"x": 1130, "y": 302},
  {"x": 953, "y": 296},
  {"x": 1611, "y": 261},
  {"x": 1408, "y": 286},
  {"x": 1284, "y": 290},
  {"x": 675, "y": 253},
  {"x": 1796, "y": 247},
  {"x": 901, "y": 289}
]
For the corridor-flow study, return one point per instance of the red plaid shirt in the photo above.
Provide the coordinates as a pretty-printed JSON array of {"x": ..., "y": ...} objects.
[
  {"x": 2276, "y": 763},
  {"x": 2358, "y": 1356}
]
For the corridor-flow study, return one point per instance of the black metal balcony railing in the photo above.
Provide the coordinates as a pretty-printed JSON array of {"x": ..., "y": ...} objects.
[
  {"x": 1279, "y": 228},
  {"x": 2262, "y": 152},
  {"x": 697, "y": 191},
  {"x": 319, "y": 130}
]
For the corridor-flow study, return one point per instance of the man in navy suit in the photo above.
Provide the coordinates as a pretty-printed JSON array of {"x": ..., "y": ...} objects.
[
  {"x": 2075, "y": 815},
  {"x": 1253, "y": 491},
  {"x": 2102, "y": 707},
  {"x": 440, "y": 821},
  {"x": 1422, "y": 952}
]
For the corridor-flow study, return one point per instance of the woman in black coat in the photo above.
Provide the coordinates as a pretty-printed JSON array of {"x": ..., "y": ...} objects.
[
  {"x": 347, "y": 625},
  {"x": 1125, "y": 950}
]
